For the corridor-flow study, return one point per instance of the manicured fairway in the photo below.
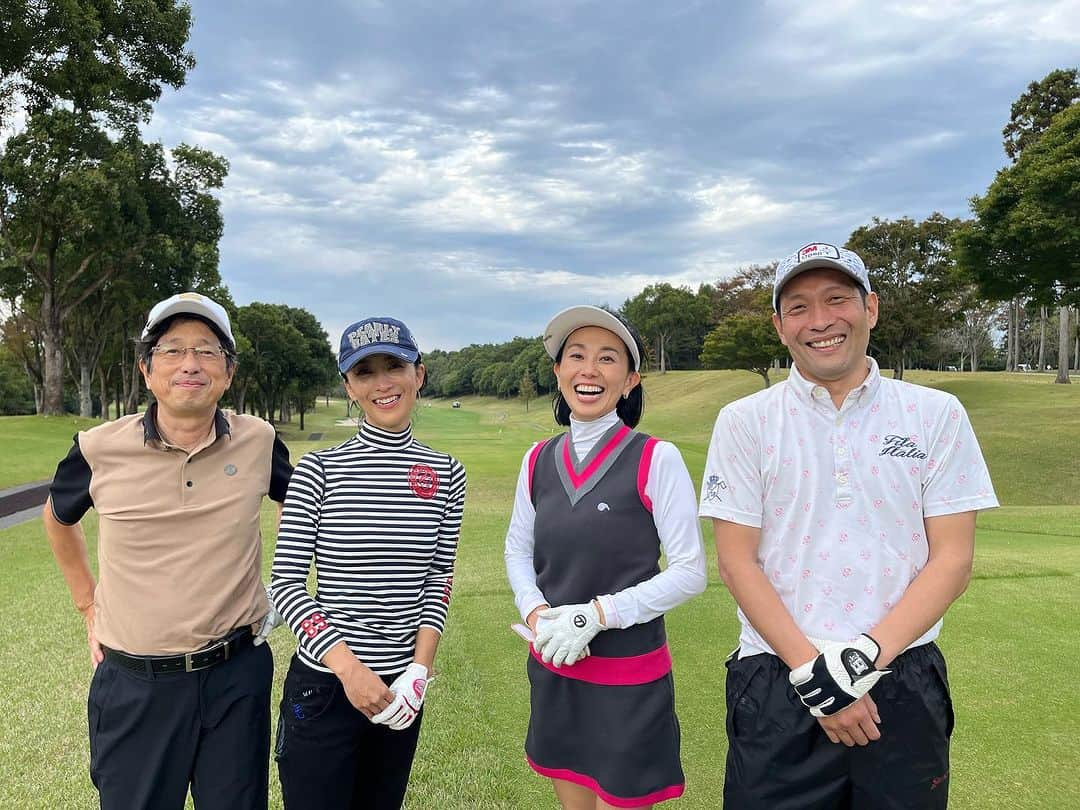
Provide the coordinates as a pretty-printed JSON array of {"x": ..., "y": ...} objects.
[{"x": 1011, "y": 641}]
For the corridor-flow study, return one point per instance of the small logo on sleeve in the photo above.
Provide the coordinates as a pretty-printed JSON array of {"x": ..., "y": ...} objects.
[
  {"x": 713, "y": 486},
  {"x": 313, "y": 625}
]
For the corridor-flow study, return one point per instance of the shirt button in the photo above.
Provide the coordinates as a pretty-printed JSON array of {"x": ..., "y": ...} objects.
[
  {"x": 839, "y": 420},
  {"x": 841, "y": 451},
  {"x": 841, "y": 478},
  {"x": 191, "y": 483}
]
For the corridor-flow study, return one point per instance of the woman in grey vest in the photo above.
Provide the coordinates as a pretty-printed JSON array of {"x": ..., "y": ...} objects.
[{"x": 594, "y": 509}]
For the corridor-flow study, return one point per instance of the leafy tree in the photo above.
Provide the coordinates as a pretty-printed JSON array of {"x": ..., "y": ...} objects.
[
  {"x": 740, "y": 292},
  {"x": 745, "y": 340},
  {"x": 1025, "y": 239},
  {"x": 78, "y": 210},
  {"x": 911, "y": 270},
  {"x": 313, "y": 365},
  {"x": 1033, "y": 112},
  {"x": 93, "y": 56},
  {"x": 526, "y": 389},
  {"x": 265, "y": 366},
  {"x": 16, "y": 391},
  {"x": 673, "y": 319}
]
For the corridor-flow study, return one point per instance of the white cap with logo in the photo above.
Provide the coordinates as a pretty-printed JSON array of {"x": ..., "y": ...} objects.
[
  {"x": 818, "y": 254},
  {"x": 191, "y": 303}
]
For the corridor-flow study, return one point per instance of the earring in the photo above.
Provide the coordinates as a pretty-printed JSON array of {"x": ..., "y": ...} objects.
[{"x": 626, "y": 395}]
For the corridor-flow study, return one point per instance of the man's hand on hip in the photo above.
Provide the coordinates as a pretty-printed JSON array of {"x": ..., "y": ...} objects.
[
  {"x": 271, "y": 620},
  {"x": 96, "y": 654}
]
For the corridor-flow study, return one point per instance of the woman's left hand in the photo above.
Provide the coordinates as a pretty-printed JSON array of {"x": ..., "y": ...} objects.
[
  {"x": 563, "y": 633},
  {"x": 409, "y": 689}
]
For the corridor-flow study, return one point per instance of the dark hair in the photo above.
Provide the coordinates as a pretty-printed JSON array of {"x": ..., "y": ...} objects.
[
  {"x": 144, "y": 346},
  {"x": 629, "y": 408}
]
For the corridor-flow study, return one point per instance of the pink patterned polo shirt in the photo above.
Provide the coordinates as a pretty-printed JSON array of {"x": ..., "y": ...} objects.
[{"x": 840, "y": 494}]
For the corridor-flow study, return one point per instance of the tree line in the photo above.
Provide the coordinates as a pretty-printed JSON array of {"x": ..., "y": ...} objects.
[{"x": 96, "y": 224}]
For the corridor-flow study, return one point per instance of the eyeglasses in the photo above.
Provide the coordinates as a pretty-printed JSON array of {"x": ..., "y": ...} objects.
[{"x": 174, "y": 354}]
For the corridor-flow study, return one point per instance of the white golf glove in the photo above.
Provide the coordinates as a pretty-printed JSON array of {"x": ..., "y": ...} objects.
[
  {"x": 840, "y": 675},
  {"x": 563, "y": 633},
  {"x": 269, "y": 622},
  {"x": 409, "y": 688}
]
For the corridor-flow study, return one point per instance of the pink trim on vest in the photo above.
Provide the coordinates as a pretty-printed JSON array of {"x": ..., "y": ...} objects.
[
  {"x": 533, "y": 455},
  {"x": 628, "y": 670},
  {"x": 578, "y": 480},
  {"x": 643, "y": 471},
  {"x": 670, "y": 792}
]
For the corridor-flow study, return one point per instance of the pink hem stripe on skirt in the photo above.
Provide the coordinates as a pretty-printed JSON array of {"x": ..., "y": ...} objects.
[{"x": 662, "y": 795}]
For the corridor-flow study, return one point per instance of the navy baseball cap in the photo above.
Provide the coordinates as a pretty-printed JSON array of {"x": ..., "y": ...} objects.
[{"x": 376, "y": 336}]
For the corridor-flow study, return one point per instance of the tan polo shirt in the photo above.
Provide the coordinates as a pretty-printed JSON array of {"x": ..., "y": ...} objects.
[{"x": 179, "y": 548}]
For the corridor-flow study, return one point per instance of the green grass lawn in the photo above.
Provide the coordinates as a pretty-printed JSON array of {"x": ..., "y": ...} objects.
[{"x": 1011, "y": 640}]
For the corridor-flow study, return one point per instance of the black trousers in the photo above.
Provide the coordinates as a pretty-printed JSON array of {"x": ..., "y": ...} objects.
[
  {"x": 151, "y": 737},
  {"x": 779, "y": 757},
  {"x": 331, "y": 757}
]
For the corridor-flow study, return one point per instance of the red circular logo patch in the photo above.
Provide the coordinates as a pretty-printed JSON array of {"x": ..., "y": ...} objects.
[{"x": 423, "y": 481}]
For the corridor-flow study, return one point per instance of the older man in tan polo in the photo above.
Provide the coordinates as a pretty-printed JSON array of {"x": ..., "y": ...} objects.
[{"x": 180, "y": 696}]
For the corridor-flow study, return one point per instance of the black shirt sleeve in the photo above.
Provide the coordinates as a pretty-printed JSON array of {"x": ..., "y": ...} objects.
[
  {"x": 70, "y": 489},
  {"x": 280, "y": 471}
]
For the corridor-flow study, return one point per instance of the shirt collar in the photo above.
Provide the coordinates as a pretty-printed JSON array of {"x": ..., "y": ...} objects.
[
  {"x": 152, "y": 434},
  {"x": 388, "y": 439},
  {"x": 812, "y": 392}
]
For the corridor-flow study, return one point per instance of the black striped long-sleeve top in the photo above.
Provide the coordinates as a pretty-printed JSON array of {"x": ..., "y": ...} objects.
[{"x": 380, "y": 514}]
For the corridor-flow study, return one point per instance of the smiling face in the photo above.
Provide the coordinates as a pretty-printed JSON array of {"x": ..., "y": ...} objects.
[
  {"x": 594, "y": 372},
  {"x": 187, "y": 387},
  {"x": 826, "y": 327},
  {"x": 385, "y": 387}
]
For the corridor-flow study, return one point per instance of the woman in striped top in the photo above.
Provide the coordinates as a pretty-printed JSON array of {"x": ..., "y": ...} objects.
[{"x": 380, "y": 515}]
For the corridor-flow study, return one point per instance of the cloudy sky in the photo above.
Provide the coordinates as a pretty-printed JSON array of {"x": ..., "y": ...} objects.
[{"x": 473, "y": 167}]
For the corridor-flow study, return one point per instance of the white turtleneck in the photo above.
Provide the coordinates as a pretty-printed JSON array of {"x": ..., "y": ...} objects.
[{"x": 674, "y": 513}]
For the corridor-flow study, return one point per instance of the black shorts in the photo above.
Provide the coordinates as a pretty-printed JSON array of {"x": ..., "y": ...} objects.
[{"x": 779, "y": 757}]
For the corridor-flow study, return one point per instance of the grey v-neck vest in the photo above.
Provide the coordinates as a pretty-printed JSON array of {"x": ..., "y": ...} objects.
[{"x": 592, "y": 533}]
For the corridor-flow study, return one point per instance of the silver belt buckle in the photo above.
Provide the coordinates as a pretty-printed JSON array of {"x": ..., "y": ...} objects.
[{"x": 189, "y": 665}]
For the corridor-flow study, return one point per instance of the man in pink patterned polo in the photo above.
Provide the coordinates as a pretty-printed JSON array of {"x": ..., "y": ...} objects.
[{"x": 844, "y": 507}]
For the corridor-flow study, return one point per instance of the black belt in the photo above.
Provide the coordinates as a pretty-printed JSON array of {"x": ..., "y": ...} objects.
[{"x": 208, "y": 656}]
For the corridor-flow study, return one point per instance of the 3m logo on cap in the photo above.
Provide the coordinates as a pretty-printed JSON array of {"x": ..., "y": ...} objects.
[
  {"x": 374, "y": 332},
  {"x": 819, "y": 250}
]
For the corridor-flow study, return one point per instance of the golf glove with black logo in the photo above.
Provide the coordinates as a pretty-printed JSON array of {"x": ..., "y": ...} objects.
[
  {"x": 409, "y": 689},
  {"x": 840, "y": 675},
  {"x": 269, "y": 622},
  {"x": 563, "y": 633}
]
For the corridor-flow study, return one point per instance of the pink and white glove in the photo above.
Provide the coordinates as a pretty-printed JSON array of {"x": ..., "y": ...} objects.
[{"x": 409, "y": 688}]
